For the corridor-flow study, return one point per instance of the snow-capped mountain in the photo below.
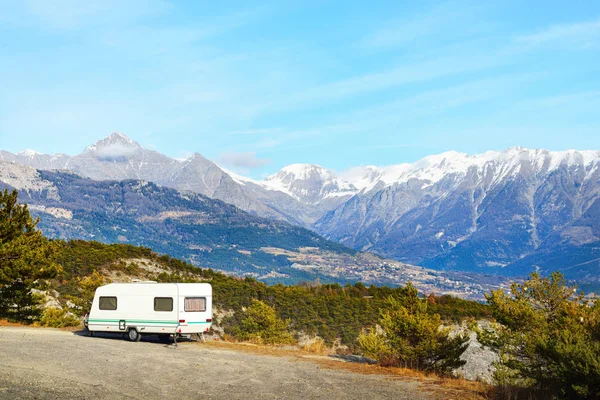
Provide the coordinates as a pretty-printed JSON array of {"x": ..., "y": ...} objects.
[
  {"x": 117, "y": 157},
  {"x": 35, "y": 159},
  {"x": 309, "y": 183},
  {"x": 510, "y": 209},
  {"x": 464, "y": 212},
  {"x": 436, "y": 167}
]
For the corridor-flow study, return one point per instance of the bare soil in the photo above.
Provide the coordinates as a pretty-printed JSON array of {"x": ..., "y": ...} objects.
[{"x": 50, "y": 364}]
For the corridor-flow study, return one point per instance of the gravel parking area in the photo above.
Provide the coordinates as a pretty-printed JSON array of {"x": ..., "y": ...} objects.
[{"x": 49, "y": 364}]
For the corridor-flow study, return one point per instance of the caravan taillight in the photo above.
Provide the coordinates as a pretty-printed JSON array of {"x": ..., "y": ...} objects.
[
  {"x": 209, "y": 320},
  {"x": 181, "y": 321}
]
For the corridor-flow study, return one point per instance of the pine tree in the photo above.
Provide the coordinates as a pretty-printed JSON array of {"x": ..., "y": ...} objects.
[
  {"x": 548, "y": 338},
  {"x": 27, "y": 260},
  {"x": 411, "y": 337},
  {"x": 261, "y": 324}
]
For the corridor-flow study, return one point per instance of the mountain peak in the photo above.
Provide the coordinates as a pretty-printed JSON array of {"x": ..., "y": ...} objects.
[
  {"x": 309, "y": 183},
  {"x": 119, "y": 137},
  {"x": 29, "y": 153},
  {"x": 114, "y": 145},
  {"x": 196, "y": 155},
  {"x": 302, "y": 172}
]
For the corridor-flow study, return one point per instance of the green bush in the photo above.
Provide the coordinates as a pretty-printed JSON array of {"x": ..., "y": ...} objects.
[
  {"x": 58, "y": 318},
  {"x": 260, "y": 324},
  {"x": 548, "y": 338},
  {"x": 411, "y": 337}
]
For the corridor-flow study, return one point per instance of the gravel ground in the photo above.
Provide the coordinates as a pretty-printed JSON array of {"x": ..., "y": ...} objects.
[{"x": 51, "y": 364}]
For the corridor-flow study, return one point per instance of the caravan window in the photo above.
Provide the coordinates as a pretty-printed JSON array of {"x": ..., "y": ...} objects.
[
  {"x": 107, "y": 303},
  {"x": 193, "y": 304},
  {"x": 163, "y": 304}
]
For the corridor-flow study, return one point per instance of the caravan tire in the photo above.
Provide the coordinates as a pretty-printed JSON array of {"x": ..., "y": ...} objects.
[{"x": 133, "y": 335}]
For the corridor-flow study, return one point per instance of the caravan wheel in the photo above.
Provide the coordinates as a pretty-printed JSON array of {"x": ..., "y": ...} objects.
[{"x": 134, "y": 335}]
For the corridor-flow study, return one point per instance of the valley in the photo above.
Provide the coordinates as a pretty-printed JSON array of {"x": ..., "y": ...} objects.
[
  {"x": 500, "y": 213},
  {"x": 212, "y": 234}
]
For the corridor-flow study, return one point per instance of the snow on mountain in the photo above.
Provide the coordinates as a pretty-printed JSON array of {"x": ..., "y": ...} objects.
[
  {"x": 455, "y": 211},
  {"x": 449, "y": 210},
  {"x": 116, "y": 140},
  {"x": 309, "y": 183},
  {"x": 28, "y": 153},
  {"x": 434, "y": 168}
]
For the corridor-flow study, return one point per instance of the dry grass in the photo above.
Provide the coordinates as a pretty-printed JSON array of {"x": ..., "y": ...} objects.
[
  {"x": 315, "y": 346},
  {"x": 4, "y": 322},
  {"x": 465, "y": 389}
]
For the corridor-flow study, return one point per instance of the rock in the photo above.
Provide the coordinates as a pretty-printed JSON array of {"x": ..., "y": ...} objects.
[{"x": 479, "y": 366}]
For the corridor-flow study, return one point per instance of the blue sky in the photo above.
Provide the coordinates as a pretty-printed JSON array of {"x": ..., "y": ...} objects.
[{"x": 256, "y": 86}]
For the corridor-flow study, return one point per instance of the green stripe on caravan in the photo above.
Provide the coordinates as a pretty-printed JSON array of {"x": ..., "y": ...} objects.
[{"x": 137, "y": 321}]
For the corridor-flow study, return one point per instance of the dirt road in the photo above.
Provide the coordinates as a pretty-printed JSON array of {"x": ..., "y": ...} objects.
[{"x": 52, "y": 364}]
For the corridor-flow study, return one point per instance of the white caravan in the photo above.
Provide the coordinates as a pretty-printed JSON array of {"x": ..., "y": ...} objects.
[{"x": 161, "y": 309}]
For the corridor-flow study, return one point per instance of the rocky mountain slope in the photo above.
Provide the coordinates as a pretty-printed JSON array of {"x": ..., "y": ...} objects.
[
  {"x": 510, "y": 211},
  {"x": 500, "y": 212},
  {"x": 209, "y": 233},
  {"x": 117, "y": 157}
]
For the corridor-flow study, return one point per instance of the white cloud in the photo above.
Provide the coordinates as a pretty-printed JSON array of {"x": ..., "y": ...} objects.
[
  {"x": 75, "y": 14},
  {"x": 255, "y": 131},
  {"x": 243, "y": 160},
  {"x": 442, "y": 21},
  {"x": 411, "y": 73},
  {"x": 404, "y": 109},
  {"x": 580, "y": 35},
  {"x": 115, "y": 150}
]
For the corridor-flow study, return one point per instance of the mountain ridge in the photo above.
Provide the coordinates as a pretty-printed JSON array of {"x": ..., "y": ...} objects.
[
  {"x": 447, "y": 211},
  {"x": 351, "y": 181},
  {"x": 209, "y": 233}
]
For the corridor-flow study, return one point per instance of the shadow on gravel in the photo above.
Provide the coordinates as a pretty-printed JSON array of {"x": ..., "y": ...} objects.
[
  {"x": 146, "y": 338},
  {"x": 122, "y": 336},
  {"x": 354, "y": 358}
]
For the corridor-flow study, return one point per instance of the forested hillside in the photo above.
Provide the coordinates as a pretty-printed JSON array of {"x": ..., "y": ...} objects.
[
  {"x": 329, "y": 310},
  {"x": 204, "y": 231}
]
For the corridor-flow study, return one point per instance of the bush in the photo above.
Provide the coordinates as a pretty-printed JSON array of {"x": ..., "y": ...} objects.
[
  {"x": 260, "y": 324},
  {"x": 548, "y": 338},
  {"x": 58, "y": 318},
  {"x": 410, "y": 337},
  {"x": 314, "y": 345}
]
